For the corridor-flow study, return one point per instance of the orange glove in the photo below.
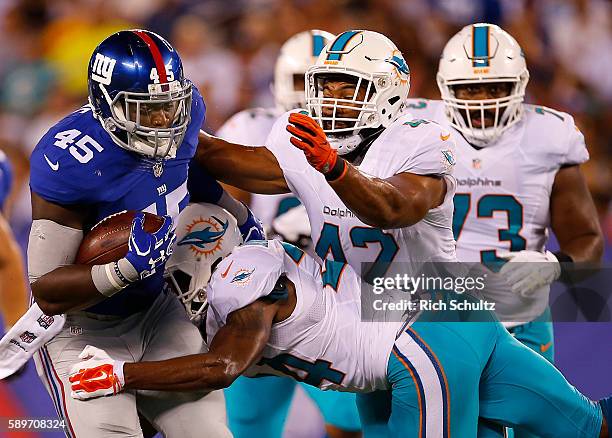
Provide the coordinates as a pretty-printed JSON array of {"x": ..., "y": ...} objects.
[
  {"x": 96, "y": 375},
  {"x": 312, "y": 140}
]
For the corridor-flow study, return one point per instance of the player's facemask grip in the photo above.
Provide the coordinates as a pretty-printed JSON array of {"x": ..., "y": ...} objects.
[
  {"x": 128, "y": 109},
  {"x": 343, "y": 119}
]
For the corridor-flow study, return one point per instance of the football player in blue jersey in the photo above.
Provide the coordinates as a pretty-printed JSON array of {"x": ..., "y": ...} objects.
[{"x": 129, "y": 148}]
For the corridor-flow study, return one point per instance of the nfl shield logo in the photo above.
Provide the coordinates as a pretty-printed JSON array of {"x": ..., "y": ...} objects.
[
  {"x": 27, "y": 337},
  {"x": 45, "y": 321},
  {"x": 158, "y": 169},
  {"x": 476, "y": 163}
]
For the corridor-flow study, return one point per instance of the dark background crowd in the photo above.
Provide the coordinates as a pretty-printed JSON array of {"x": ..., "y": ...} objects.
[{"x": 229, "y": 48}]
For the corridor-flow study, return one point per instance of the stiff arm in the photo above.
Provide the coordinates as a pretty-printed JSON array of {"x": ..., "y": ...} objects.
[{"x": 254, "y": 169}]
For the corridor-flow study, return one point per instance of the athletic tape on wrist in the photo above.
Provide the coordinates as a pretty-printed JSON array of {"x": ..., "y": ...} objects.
[{"x": 107, "y": 282}]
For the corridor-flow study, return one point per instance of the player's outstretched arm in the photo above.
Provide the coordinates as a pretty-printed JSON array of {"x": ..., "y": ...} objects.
[
  {"x": 253, "y": 169},
  {"x": 574, "y": 217},
  {"x": 396, "y": 202},
  {"x": 235, "y": 347}
]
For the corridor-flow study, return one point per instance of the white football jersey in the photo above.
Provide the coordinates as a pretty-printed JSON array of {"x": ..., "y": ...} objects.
[
  {"x": 415, "y": 146},
  {"x": 323, "y": 342},
  {"x": 503, "y": 194},
  {"x": 251, "y": 127}
]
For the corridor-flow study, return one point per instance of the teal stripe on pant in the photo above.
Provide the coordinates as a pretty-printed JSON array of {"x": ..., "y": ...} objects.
[{"x": 514, "y": 386}]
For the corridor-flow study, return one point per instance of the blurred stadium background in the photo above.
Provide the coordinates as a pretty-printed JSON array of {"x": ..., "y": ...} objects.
[{"x": 229, "y": 48}]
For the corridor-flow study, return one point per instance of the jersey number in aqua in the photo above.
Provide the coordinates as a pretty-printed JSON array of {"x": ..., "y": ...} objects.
[
  {"x": 329, "y": 241},
  {"x": 487, "y": 205}
]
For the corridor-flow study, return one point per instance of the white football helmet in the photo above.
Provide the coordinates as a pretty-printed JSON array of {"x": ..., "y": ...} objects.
[
  {"x": 205, "y": 234},
  {"x": 378, "y": 65},
  {"x": 297, "y": 54},
  {"x": 482, "y": 53}
]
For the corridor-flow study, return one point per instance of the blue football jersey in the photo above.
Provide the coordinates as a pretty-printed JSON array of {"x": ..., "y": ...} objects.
[{"x": 77, "y": 163}]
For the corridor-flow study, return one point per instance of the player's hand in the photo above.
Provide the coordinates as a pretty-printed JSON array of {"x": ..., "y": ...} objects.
[
  {"x": 148, "y": 251},
  {"x": 310, "y": 138},
  {"x": 528, "y": 271},
  {"x": 97, "y": 375},
  {"x": 252, "y": 228}
]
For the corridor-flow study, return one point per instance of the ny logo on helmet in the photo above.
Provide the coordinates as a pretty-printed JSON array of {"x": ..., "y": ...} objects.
[{"x": 102, "y": 70}]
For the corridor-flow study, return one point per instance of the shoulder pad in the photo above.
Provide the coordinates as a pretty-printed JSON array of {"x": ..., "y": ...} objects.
[
  {"x": 559, "y": 141},
  {"x": 418, "y": 146},
  {"x": 75, "y": 160},
  {"x": 250, "y": 272}
]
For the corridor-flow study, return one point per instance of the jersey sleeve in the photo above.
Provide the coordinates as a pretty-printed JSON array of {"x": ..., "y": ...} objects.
[
  {"x": 56, "y": 178},
  {"x": 249, "y": 273},
  {"x": 297, "y": 171},
  {"x": 414, "y": 146},
  {"x": 289, "y": 157},
  {"x": 576, "y": 152},
  {"x": 231, "y": 130}
]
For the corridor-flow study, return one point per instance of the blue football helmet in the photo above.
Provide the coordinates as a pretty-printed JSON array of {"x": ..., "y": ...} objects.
[{"x": 135, "y": 80}]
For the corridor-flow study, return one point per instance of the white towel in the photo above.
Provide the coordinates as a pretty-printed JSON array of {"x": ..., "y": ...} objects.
[{"x": 33, "y": 330}]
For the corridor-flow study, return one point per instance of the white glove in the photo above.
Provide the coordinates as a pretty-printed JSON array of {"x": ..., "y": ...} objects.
[
  {"x": 97, "y": 375},
  {"x": 528, "y": 271}
]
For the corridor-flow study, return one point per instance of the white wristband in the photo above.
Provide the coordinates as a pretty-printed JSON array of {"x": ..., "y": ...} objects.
[
  {"x": 113, "y": 277},
  {"x": 118, "y": 368}
]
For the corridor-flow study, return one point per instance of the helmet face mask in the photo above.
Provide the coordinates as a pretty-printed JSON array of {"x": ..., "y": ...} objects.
[
  {"x": 381, "y": 81},
  {"x": 132, "y": 113},
  {"x": 297, "y": 54},
  {"x": 342, "y": 118},
  {"x": 193, "y": 299},
  {"x": 127, "y": 96},
  {"x": 481, "y": 55}
]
